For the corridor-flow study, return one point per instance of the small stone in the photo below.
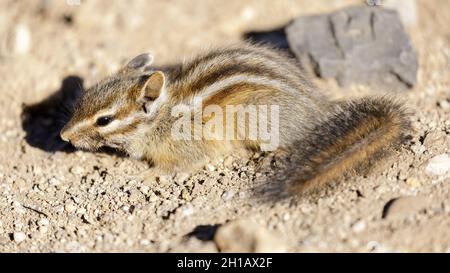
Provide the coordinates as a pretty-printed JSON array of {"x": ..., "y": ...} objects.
[
  {"x": 37, "y": 171},
  {"x": 144, "y": 189},
  {"x": 70, "y": 207},
  {"x": 246, "y": 236},
  {"x": 228, "y": 195},
  {"x": 43, "y": 222},
  {"x": 181, "y": 177},
  {"x": 134, "y": 195},
  {"x": 405, "y": 206},
  {"x": 81, "y": 211},
  {"x": 19, "y": 237},
  {"x": 126, "y": 208},
  {"x": 185, "y": 194},
  {"x": 438, "y": 165},
  {"x": 286, "y": 217},
  {"x": 359, "y": 226},
  {"x": 54, "y": 181},
  {"x": 373, "y": 246},
  {"x": 186, "y": 210},
  {"x": 210, "y": 167},
  {"x": 18, "y": 226},
  {"x": 144, "y": 242},
  {"x": 43, "y": 229},
  {"x": 413, "y": 182},
  {"x": 20, "y": 40},
  {"x": 444, "y": 104},
  {"x": 418, "y": 148},
  {"x": 163, "y": 179},
  {"x": 77, "y": 170},
  {"x": 59, "y": 209},
  {"x": 243, "y": 195}
]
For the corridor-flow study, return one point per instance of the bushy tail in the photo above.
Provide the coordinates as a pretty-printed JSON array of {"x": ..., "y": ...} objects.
[{"x": 349, "y": 139}]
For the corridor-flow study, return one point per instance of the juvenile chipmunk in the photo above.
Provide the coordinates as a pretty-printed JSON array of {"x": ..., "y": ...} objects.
[{"x": 133, "y": 111}]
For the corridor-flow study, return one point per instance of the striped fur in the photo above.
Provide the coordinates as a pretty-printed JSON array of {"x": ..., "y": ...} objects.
[
  {"x": 349, "y": 139},
  {"x": 330, "y": 138}
]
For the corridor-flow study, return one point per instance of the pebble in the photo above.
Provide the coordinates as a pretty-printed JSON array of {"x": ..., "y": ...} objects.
[
  {"x": 444, "y": 104},
  {"x": 185, "y": 194},
  {"x": 210, "y": 167},
  {"x": 186, "y": 210},
  {"x": 43, "y": 229},
  {"x": 54, "y": 181},
  {"x": 144, "y": 189},
  {"x": 163, "y": 179},
  {"x": 228, "y": 195},
  {"x": 77, "y": 170},
  {"x": 43, "y": 222},
  {"x": 418, "y": 149},
  {"x": 243, "y": 195},
  {"x": 246, "y": 236},
  {"x": 359, "y": 226},
  {"x": 134, "y": 195},
  {"x": 144, "y": 242},
  {"x": 126, "y": 208},
  {"x": 373, "y": 246},
  {"x": 20, "y": 39},
  {"x": 59, "y": 208},
  {"x": 19, "y": 237},
  {"x": 405, "y": 206},
  {"x": 413, "y": 182},
  {"x": 438, "y": 165},
  {"x": 70, "y": 207},
  {"x": 181, "y": 177}
]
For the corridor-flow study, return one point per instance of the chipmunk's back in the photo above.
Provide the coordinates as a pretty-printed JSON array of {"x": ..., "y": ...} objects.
[{"x": 216, "y": 70}]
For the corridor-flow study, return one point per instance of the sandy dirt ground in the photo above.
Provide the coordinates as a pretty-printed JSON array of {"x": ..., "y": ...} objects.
[{"x": 53, "y": 198}]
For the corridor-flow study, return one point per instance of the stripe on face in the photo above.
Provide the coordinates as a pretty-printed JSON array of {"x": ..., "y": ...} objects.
[
  {"x": 120, "y": 114},
  {"x": 118, "y": 125}
]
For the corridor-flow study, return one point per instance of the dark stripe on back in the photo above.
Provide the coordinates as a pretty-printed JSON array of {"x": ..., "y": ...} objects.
[{"x": 228, "y": 70}]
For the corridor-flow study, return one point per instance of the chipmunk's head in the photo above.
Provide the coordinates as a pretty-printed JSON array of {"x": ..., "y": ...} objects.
[{"x": 112, "y": 112}]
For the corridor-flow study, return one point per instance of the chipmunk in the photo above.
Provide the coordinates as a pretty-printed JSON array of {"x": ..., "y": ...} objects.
[{"x": 132, "y": 111}]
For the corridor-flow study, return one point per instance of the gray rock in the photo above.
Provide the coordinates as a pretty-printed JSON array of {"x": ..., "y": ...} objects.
[{"x": 359, "y": 44}]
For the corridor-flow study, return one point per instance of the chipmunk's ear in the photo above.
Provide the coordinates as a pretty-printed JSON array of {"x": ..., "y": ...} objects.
[
  {"x": 153, "y": 86},
  {"x": 141, "y": 62}
]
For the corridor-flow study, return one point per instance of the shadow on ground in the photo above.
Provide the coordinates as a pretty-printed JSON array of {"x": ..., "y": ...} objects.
[{"x": 43, "y": 121}]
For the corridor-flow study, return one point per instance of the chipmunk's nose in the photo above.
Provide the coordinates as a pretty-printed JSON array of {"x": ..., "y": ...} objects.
[{"x": 64, "y": 135}]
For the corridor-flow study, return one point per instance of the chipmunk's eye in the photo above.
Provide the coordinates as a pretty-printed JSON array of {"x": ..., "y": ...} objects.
[{"x": 103, "y": 121}]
